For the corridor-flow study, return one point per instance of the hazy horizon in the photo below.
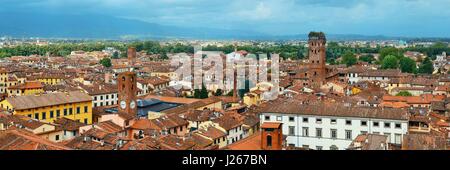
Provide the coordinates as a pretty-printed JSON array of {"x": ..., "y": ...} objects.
[{"x": 393, "y": 18}]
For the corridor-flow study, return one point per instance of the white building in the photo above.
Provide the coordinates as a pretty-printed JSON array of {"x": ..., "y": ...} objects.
[
  {"x": 102, "y": 95},
  {"x": 334, "y": 126}
]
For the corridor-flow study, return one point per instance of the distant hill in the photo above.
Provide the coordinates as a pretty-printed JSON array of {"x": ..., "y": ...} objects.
[
  {"x": 104, "y": 27},
  {"x": 20, "y": 25}
]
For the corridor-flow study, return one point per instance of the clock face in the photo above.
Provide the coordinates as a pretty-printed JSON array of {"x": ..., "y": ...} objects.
[
  {"x": 132, "y": 104},
  {"x": 123, "y": 105}
]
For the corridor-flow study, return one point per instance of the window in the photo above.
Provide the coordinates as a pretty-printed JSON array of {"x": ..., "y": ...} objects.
[
  {"x": 398, "y": 138},
  {"x": 30, "y": 115},
  {"x": 333, "y": 121},
  {"x": 44, "y": 115},
  {"x": 305, "y": 146},
  {"x": 107, "y": 97},
  {"x": 78, "y": 110},
  {"x": 398, "y": 125},
  {"x": 376, "y": 124},
  {"x": 85, "y": 121},
  {"x": 267, "y": 118},
  {"x": 291, "y": 119},
  {"x": 305, "y": 131},
  {"x": 65, "y": 112},
  {"x": 291, "y": 130},
  {"x": 319, "y": 148},
  {"x": 387, "y": 124},
  {"x": 348, "y": 134},
  {"x": 58, "y": 113},
  {"x": 101, "y": 97},
  {"x": 70, "y": 111},
  {"x": 57, "y": 137},
  {"x": 318, "y": 120},
  {"x": 348, "y": 122},
  {"x": 333, "y": 133},
  {"x": 363, "y": 123},
  {"x": 85, "y": 109},
  {"x": 319, "y": 132},
  {"x": 95, "y": 97},
  {"x": 279, "y": 118},
  {"x": 36, "y": 116},
  {"x": 363, "y": 132},
  {"x": 51, "y": 114},
  {"x": 305, "y": 120}
]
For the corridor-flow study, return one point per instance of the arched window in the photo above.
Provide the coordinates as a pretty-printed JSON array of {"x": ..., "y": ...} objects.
[{"x": 269, "y": 141}]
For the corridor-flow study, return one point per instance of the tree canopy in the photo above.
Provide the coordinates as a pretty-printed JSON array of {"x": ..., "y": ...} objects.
[
  {"x": 389, "y": 62},
  {"x": 426, "y": 67},
  {"x": 408, "y": 65},
  {"x": 349, "y": 59}
]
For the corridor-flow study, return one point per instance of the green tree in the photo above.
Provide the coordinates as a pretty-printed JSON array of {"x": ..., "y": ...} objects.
[
  {"x": 426, "y": 67},
  {"x": 201, "y": 93},
  {"x": 404, "y": 93},
  {"x": 106, "y": 62},
  {"x": 384, "y": 52},
  {"x": 115, "y": 55},
  {"x": 367, "y": 58},
  {"x": 164, "y": 56},
  {"x": 218, "y": 92},
  {"x": 349, "y": 59},
  {"x": 408, "y": 65},
  {"x": 389, "y": 62}
]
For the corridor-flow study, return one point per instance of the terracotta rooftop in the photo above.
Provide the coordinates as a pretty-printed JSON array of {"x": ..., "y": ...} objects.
[
  {"x": 29, "y": 102},
  {"x": 270, "y": 125},
  {"x": 68, "y": 124},
  {"x": 212, "y": 132},
  {"x": 28, "y": 85},
  {"x": 17, "y": 139},
  {"x": 250, "y": 143},
  {"x": 288, "y": 106}
]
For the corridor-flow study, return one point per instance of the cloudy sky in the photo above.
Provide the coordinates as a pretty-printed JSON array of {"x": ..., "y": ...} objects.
[{"x": 418, "y": 18}]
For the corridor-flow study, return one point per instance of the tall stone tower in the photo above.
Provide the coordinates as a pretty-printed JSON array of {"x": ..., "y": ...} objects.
[
  {"x": 127, "y": 92},
  {"x": 131, "y": 56},
  {"x": 317, "y": 58}
]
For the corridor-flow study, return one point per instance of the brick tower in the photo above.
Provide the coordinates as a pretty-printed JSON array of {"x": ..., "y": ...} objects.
[
  {"x": 317, "y": 58},
  {"x": 127, "y": 92},
  {"x": 131, "y": 56}
]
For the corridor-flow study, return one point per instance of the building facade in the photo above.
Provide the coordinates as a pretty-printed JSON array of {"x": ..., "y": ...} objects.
[{"x": 335, "y": 128}]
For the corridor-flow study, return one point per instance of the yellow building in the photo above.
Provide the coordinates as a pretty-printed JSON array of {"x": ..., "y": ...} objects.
[
  {"x": 27, "y": 88},
  {"x": 253, "y": 98},
  {"x": 50, "y": 79},
  {"x": 356, "y": 90},
  {"x": 74, "y": 105}
]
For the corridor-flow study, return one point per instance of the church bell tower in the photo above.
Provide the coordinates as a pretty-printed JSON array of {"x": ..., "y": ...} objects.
[{"x": 127, "y": 92}]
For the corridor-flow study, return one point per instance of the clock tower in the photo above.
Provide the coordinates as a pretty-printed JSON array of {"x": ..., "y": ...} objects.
[{"x": 127, "y": 92}]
